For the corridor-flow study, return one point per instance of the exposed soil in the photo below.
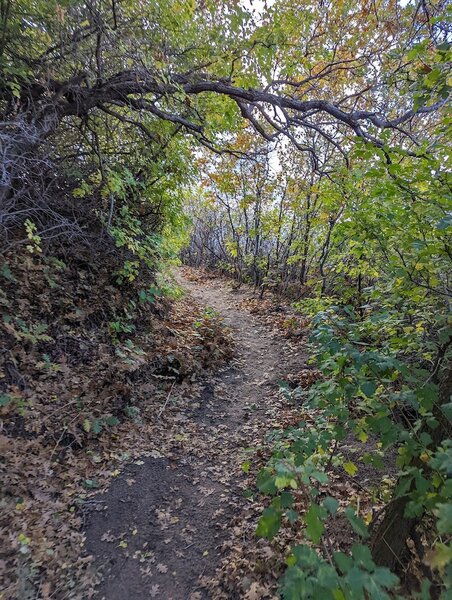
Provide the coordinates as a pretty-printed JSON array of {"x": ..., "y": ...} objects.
[{"x": 165, "y": 526}]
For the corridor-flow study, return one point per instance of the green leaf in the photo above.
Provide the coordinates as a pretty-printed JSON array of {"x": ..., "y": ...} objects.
[
  {"x": 320, "y": 476},
  {"x": 357, "y": 524},
  {"x": 266, "y": 482},
  {"x": 5, "y": 399},
  {"x": 96, "y": 426},
  {"x": 314, "y": 524},
  {"x": 293, "y": 581},
  {"x": 5, "y": 271},
  {"x": 447, "y": 410},
  {"x": 343, "y": 561},
  {"x": 91, "y": 483},
  {"x": 363, "y": 556},
  {"x": 444, "y": 514},
  {"x": 427, "y": 396},
  {"x": 292, "y": 515},
  {"x": 356, "y": 579},
  {"x": 286, "y": 499},
  {"x": 368, "y": 388},
  {"x": 331, "y": 504},
  {"x": 373, "y": 459},
  {"x": 385, "y": 578},
  {"x": 269, "y": 524},
  {"x": 306, "y": 557}
]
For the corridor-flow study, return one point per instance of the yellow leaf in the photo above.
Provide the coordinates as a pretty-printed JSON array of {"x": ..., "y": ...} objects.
[
  {"x": 439, "y": 557},
  {"x": 291, "y": 560},
  {"x": 350, "y": 468},
  {"x": 362, "y": 436},
  {"x": 78, "y": 193}
]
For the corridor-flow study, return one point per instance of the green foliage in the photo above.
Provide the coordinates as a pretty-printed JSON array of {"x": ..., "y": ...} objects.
[
  {"x": 5, "y": 272},
  {"x": 96, "y": 425},
  {"x": 367, "y": 384},
  {"x": 34, "y": 239},
  {"x": 15, "y": 401},
  {"x": 376, "y": 337},
  {"x": 353, "y": 577},
  {"x": 133, "y": 413},
  {"x": 149, "y": 295},
  {"x": 33, "y": 332},
  {"x": 269, "y": 523},
  {"x": 120, "y": 327}
]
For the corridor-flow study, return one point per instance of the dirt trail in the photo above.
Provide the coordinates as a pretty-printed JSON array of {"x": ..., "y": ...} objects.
[{"x": 166, "y": 522}]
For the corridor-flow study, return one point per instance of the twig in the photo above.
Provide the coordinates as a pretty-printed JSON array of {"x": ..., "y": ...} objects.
[
  {"x": 166, "y": 401},
  {"x": 65, "y": 429}
]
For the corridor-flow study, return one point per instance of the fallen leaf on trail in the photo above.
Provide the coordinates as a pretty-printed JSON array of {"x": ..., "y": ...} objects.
[
  {"x": 146, "y": 571},
  {"x": 256, "y": 592},
  {"x": 162, "y": 568}
]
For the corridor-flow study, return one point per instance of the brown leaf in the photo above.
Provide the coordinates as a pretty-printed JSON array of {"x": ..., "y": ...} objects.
[{"x": 162, "y": 568}]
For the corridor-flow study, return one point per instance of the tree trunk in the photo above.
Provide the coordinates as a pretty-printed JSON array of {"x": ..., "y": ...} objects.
[{"x": 389, "y": 540}]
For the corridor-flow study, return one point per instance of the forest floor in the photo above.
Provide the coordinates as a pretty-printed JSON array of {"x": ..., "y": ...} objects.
[
  {"x": 130, "y": 461},
  {"x": 177, "y": 524}
]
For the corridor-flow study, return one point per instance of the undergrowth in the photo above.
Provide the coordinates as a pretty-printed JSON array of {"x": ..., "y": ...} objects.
[{"x": 86, "y": 366}]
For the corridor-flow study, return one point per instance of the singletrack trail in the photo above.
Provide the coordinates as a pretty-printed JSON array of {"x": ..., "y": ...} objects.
[{"x": 178, "y": 515}]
